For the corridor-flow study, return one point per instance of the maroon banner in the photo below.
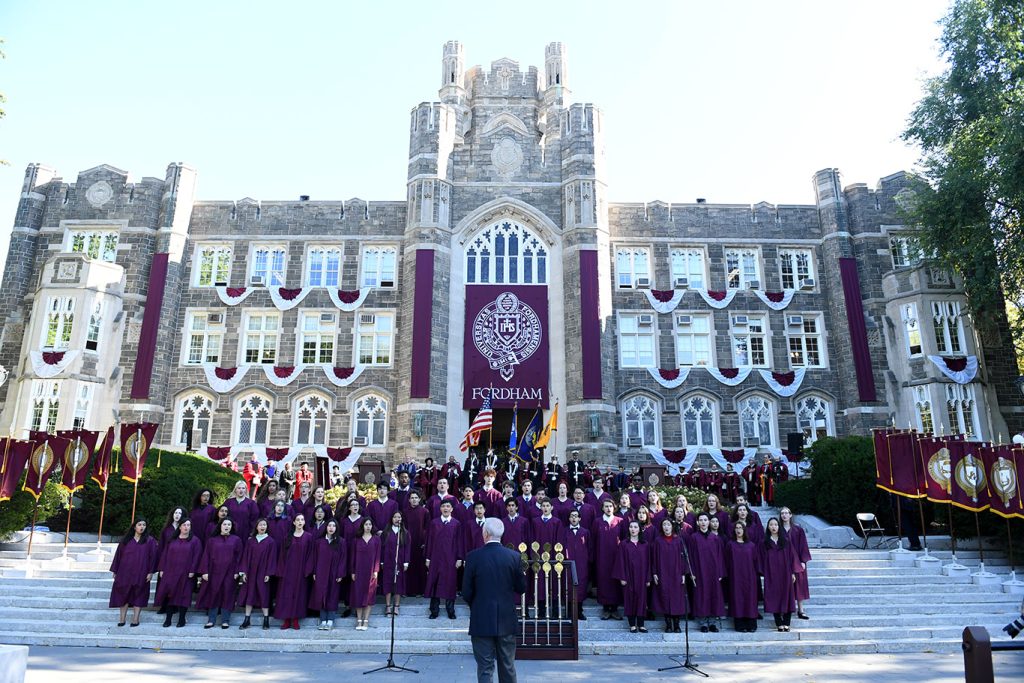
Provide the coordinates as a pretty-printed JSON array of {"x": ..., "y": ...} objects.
[
  {"x": 897, "y": 468},
  {"x": 422, "y": 324},
  {"x": 970, "y": 485},
  {"x": 1003, "y": 464},
  {"x": 135, "y": 442},
  {"x": 17, "y": 453},
  {"x": 102, "y": 462},
  {"x": 46, "y": 455},
  {"x": 858, "y": 329},
  {"x": 590, "y": 324},
  {"x": 75, "y": 468},
  {"x": 506, "y": 346},
  {"x": 935, "y": 463},
  {"x": 150, "y": 327}
]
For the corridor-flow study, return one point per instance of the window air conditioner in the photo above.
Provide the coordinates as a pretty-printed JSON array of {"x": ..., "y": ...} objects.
[
  {"x": 215, "y": 318},
  {"x": 807, "y": 283},
  {"x": 645, "y": 320},
  {"x": 795, "y": 320},
  {"x": 751, "y": 442},
  {"x": 635, "y": 442},
  {"x": 367, "y": 318},
  {"x": 740, "y": 320},
  {"x": 387, "y": 283},
  {"x": 643, "y": 283},
  {"x": 257, "y": 280},
  {"x": 684, "y": 320},
  {"x": 682, "y": 283},
  {"x": 359, "y": 441},
  {"x": 753, "y": 284},
  {"x": 327, "y": 317}
]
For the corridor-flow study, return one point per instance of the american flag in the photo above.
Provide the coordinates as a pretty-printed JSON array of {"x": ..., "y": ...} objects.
[{"x": 481, "y": 423}]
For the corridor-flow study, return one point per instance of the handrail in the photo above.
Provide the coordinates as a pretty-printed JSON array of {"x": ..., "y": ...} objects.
[{"x": 978, "y": 648}]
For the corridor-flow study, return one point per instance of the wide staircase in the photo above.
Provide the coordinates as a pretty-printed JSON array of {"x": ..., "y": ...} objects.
[{"x": 860, "y": 603}]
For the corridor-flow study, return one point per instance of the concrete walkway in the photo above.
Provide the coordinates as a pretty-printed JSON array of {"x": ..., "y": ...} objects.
[{"x": 93, "y": 665}]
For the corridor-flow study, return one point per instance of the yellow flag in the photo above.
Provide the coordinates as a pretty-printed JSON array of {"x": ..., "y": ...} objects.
[{"x": 551, "y": 426}]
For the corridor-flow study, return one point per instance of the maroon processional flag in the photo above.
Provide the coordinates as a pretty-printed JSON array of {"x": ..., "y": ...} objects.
[
  {"x": 933, "y": 453},
  {"x": 897, "y": 468},
  {"x": 135, "y": 442},
  {"x": 1003, "y": 464},
  {"x": 47, "y": 452},
  {"x": 75, "y": 468},
  {"x": 102, "y": 462},
  {"x": 969, "y": 483},
  {"x": 16, "y": 453}
]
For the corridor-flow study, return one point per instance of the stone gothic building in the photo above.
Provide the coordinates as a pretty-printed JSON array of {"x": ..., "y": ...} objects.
[{"x": 505, "y": 270}]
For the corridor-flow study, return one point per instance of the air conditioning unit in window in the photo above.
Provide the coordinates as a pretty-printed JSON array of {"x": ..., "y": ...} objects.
[
  {"x": 808, "y": 283},
  {"x": 751, "y": 442},
  {"x": 645, "y": 320},
  {"x": 220, "y": 283},
  {"x": 682, "y": 283},
  {"x": 328, "y": 318},
  {"x": 634, "y": 442},
  {"x": 684, "y": 320},
  {"x": 367, "y": 318},
  {"x": 753, "y": 284},
  {"x": 387, "y": 283},
  {"x": 215, "y": 318},
  {"x": 643, "y": 283},
  {"x": 257, "y": 280},
  {"x": 359, "y": 441},
  {"x": 795, "y": 320},
  {"x": 740, "y": 320}
]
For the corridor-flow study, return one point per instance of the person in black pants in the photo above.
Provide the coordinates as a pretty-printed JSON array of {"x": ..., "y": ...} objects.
[
  {"x": 493, "y": 578},
  {"x": 905, "y": 516}
]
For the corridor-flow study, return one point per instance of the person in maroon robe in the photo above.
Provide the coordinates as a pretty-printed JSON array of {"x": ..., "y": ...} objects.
[
  {"x": 134, "y": 564},
  {"x": 576, "y": 541},
  {"x": 637, "y": 495},
  {"x": 433, "y": 504},
  {"x": 597, "y": 496},
  {"x": 177, "y": 567},
  {"x": 364, "y": 569},
  {"x": 400, "y": 494},
  {"x": 417, "y": 519},
  {"x": 714, "y": 509},
  {"x": 473, "y": 529},
  {"x": 755, "y": 518},
  {"x": 751, "y": 476},
  {"x": 647, "y": 528},
  {"x": 242, "y": 509},
  {"x": 632, "y": 569},
  {"x": 708, "y": 570},
  {"x": 203, "y": 512},
  {"x": 452, "y": 471},
  {"x": 170, "y": 530},
  {"x": 605, "y": 538},
  {"x": 213, "y": 528},
  {"x": 463, "y": 510},
  {"x": 303, "y": 501},
  {"x": 679, "y": 523},
  {"x": 755, "y": 532},
  {"x": 267, "y": 497},
  {"x": 778, "y": 565},
  {"x": 426, "y": 478},
  {"x": 528, "y": 504},
  {"x": 394, "y": 563},
  {"x": 562, "y": 502},
  {"x": 625, "y": 509},
  {"x": 279, "y": 524},
  {"x": 668, "y": 576},
  {"x": 294, "y": 566},
  {"x": 657, "y": 508},
  {"x": 303, "y": 476},
  {"x": 798, "y": 539},
  {"x": 319, "y": 526},
  {"x": 493, "y": 500},
  {"x": 330, "y": 563},
  {"x": 517, "y": 527},
  {"x": 381, "y": 509},
  {"x": 319, "y": 502},
  {"x": 258, "y": 565},
  {"x": 351, "y": 493},
  {"x": 444, "y": 554},
  {"x": 218, "y": 571},
  {"x": 741, "y": 564},
  {"x": 578, "y": 503},
  {"x": 351, "y": 523}
]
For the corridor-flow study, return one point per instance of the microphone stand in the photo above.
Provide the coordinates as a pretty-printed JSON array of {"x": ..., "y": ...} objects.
[
  {"x": 687, "y": 663},
  {"x": 391, "y": 666}
]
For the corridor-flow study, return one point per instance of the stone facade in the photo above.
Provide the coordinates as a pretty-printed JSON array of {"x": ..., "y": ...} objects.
[{"x": 501, "y": 144}]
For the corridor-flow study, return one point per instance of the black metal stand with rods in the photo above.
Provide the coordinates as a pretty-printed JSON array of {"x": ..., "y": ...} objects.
[
  {"x": 391, "y": 666},
  {"x": 687, "y": 663}
]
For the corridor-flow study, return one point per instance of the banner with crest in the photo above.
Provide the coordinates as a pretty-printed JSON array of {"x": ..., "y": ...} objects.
[
  {"x": 1003, "y": 463},
  {"x": 935, "y": 462},
  {"x": 970, "y": 485},
  {"x": 47, "y": 452},
  {"x": 135, "y": 442},
  {"x": 102, "y": 462},
  {"x": 75, "y": 468},
  {"x": 505, "y": 350},
  {"x": 16, "y": 453},
  {"x": 897, "y": 467}
]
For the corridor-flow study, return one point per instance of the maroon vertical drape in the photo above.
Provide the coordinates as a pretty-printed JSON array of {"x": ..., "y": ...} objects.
[
  {"x": 590, "y": 324},
  {"x": 422, "y": 317},
  {"x": 150, "y": 327},
  {"x": 858, "y": 329}
]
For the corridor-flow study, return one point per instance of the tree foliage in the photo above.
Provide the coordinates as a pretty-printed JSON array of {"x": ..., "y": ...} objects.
[{"x": 969, "y": 199}]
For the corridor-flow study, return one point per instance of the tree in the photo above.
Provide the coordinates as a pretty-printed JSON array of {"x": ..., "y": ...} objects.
[{"x": 968, "y": 201}]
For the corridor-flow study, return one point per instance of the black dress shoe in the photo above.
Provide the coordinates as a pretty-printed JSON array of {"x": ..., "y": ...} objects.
[
  {"x": 266, "y": 623},
  {"x": 167, "y": 619},
  {"x": 704, "y": 628},
  {"x": 642, "y": 629},
  {"x": 605, "y": 616},
  {"x": 802, "y": 615},
  {"x": 713, "y": 628},
  {"x": 133, "y": 624},
  {"x": 245, "y": 624},
  {"x": 451, "y": 615},
  {"x": 433, "y": 615},
  {"x": 121, "y": 623}
]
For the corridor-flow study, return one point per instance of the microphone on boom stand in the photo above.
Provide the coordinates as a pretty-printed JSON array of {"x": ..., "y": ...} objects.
[
  {"x": 687, "y": 663},
  {"x": 391, "y": 666}
]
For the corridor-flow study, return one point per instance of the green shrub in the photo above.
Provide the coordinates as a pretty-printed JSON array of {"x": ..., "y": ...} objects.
[
  {"x": 174, "y": 483},
  {"x": 16, "y": 513},
  {"x": 843, "y": 479},
  {"x": 797, "y": 495},
  {"x": 695, "y": 497}
]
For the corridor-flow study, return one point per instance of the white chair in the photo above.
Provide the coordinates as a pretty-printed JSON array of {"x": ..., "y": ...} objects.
[{"x": 868, "y": 523}]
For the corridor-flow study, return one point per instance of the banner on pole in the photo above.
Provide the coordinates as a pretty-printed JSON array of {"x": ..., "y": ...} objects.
[{"x": 135, "y": 442}]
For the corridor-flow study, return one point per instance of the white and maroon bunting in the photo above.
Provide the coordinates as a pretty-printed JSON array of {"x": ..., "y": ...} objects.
[
  {"x": 960, "y": 369},
  {"x": 784, "y": 384},
  {"x": 664, "y": 300},
  {"x": 224, "y": 380},
  {"x": 46, "y": 364},
  {"x": 670, "y": 379},
  {"x": 775, "y": 300}
]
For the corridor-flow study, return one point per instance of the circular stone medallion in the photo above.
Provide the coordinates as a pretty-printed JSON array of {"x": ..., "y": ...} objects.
[{"x": 99, "y": 193}]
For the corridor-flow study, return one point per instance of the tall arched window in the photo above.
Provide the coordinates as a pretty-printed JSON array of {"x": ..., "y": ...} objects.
[
  {"x": 507, "y": 253},
  {"x": 698, "y": 414},
  {"x": 640, "y": 414},
  {"x": 370, "y": 421},
  {"x": 312, "y": 415},
  {"x": 194, "y": 412},
  {"x": 756, "y": 417},
  {"x": 814, "y": 418},
  {"x": 253, "y": 420}
]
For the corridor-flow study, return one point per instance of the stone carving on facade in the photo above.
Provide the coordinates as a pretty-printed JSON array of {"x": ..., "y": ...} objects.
[
  {"x": 507, "y": 157},
  {"x": 99, "y": 193},
  {"x": 67, "y": 271}
]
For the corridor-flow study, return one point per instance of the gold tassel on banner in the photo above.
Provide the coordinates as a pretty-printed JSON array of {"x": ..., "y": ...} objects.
[{"x": 158, "y": 454}]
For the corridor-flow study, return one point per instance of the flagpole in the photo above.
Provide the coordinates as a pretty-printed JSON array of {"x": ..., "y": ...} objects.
[
  {"x": 920, "y": 507},
  {"x": 35, "y": 508},
  {"x": 138, "y": 470},
  {"x": 71, "y": 497}
]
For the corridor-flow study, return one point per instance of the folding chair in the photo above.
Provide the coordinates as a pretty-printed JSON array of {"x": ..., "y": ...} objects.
[{"x": 869, "y": 525}]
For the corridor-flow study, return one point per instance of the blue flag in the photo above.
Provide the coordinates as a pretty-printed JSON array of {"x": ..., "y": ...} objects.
[
  {"x": 530, "y": 436},
  {"x": 513, "y": 439}
]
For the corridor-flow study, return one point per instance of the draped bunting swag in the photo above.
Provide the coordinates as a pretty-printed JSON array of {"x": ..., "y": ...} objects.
[
  {"x": 46, "y": 364},
  {"x": 961, "y": 370}
]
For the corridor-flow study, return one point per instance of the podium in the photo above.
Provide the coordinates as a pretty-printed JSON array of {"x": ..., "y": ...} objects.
[
  {"x": 369, "y": 471},
  {"x": 653, "y": 475}
]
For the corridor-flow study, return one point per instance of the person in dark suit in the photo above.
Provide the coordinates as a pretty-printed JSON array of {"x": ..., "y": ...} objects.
[{"x": 492, "y": 581}]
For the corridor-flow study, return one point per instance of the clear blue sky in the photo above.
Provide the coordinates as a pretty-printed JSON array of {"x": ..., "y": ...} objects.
[{"x": 733, "y": 101}]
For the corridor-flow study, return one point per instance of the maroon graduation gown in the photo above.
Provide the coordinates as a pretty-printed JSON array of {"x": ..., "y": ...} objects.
[
  {"x": 364, "y": 563},
  {"x": 560, "y": 508},
  {"x": 546, "y": 532},
  {"x": 597, "y": 502},
  {"x": 390, "y": 551},
  {"x": 605, "y": 538},
  {"x": 528, "y": 508},
  {"x": 259, "y": 560},
  {"x": 443, "y": 549},
  {"x": 473, "y": 538},
  {"x": 463, "y": 512},
  {"x": 133, "y": 562},
  {"x": 178, "y": 560},
  {"x": 381, "y": 513},
  {"x": 798, "y": 539},
  {"x": 516, "y": 531},
  {"x": 494, "y": 502},
  {"x": 201, "y": 517},
  {"x": 341, "y": 509},
  {"x": 578, "y": 548},
  {"x": 170, "y": 532},
  {"x": 778, "y": 566},
  {"x": 300, "y": 506},
  {"x": 434, "y": 504},
  {"x": 294, "y": 565},
  {"x": 668, "y": 596},
  {"x": 349, "y": 529},
  {"x": 741, "y": 564},
  {"x": 587, "y": 514},
  {"x": 244, "y": 515},
  {"x": 633, "y": 565},
  {"x": 416, "y": 521},
  {"x": 279, "y": 528},
  {"x": 709, "y": 568},
  {"x": 221, "y": 558},
  {"x": 330, "y": 562},
  {"x": 426, "y": 480},
  {"x": 637, "y": 498}
]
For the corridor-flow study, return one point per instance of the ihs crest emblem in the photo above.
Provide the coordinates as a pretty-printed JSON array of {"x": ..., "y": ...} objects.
[
  {"x": 506, "y": 332},
  {"x": 1004, "y": 480}
]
